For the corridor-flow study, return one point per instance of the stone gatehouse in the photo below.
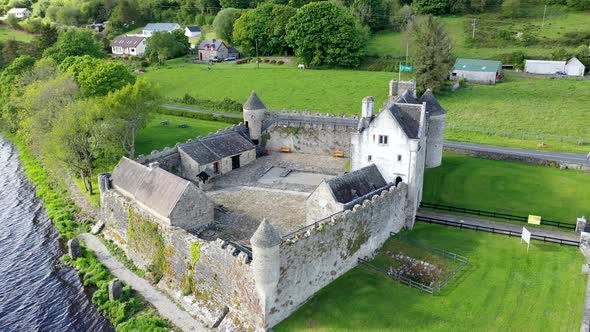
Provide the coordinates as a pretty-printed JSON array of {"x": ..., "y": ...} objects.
[{"x": 242, "y": 235}]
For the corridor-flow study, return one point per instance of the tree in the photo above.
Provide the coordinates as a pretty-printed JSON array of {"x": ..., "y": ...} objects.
[
  {"x": 223, "y": 24},
  {"x": 75, "y": 42},
  {"x": 235, "y": 3},
  {"x": 322, "y": 33},
  {"x": 80, "y": 136},
  {"x": 133, "y": 105},
  {"x": 432, "y": 58},
  {"x": 511, "y": 8},
  {"x": 371, "y": 13},
  {"x": 12, "y": 21},
  {"x": 47, "y": 36},
  {"x": 579, "y": 4},
  {"x": 266, "y": 25},
  {"x": 167, "y": 45},
  {"x": 97, "y": 77},
  {"x": 432, "y": 7}
]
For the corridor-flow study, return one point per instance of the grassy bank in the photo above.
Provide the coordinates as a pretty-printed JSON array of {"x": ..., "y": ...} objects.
[
  {"x": 502, "y": 289},
  {"x": 7, "y": 33},
  {"x": 130, "y": 312},
  {"x": 521, "y": 112},
  {"x": 279, "y": 87},
  {"x": 557, "y": 23},
  {"x": 156, "y": 136},
  {"x": 509, "y": 187}
]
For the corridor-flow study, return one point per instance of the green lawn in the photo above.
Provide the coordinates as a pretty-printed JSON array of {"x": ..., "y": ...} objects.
[
  {"x": 557, "y": 23},
  {"x": 7, "y": 33},
  {"x": 157, "y": 136},
  {"x": 279, "y": 87},
  {"x": 538, "y": 110},
  {"x": 509, "y": 187},
  {"x": 502, "y": 289}
]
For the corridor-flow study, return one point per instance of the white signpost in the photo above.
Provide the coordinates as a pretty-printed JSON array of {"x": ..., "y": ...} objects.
[{"x": 526, "y": 236}]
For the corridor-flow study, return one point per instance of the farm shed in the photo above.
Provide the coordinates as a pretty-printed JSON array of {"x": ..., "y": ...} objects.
[
  {"x": 479, "y": 71},
  {"x": 574, "y": 67},
  {"x": 543, "y": 66}
]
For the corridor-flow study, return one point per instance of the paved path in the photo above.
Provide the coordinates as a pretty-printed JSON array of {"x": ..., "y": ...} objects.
[
  {"x": 197, "y": 110},
  {"x": 575, "y": 158},
  {"x": 571, "y": 236},
  {"x": 166, "y": 307}
]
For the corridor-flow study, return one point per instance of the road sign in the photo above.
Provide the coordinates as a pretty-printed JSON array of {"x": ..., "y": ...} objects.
[{"x": 534, "y": 220}]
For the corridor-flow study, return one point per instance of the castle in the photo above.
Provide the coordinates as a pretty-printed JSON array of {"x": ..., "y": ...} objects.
[{"x": 242, "y": 235}]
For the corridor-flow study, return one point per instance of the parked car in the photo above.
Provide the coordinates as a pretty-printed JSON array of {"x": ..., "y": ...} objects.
[
  {"x": 230, "y": 58},
  {"x": 215, "y": 59}
]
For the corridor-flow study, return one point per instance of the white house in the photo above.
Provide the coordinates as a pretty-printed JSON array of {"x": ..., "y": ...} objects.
[
  {"x": 544, "y": 66},
  {"x": 129, "y": 45},
  {"x": 192, "y": 32},
  {"x": 20, "y": 13},
  {"x": 149, "y": 29},
  {"x": 574, "y": 67}
]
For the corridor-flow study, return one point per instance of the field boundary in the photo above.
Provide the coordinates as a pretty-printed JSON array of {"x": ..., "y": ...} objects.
[
  {"x": 493, "y": 214},
  {"x": 493, "y": 230}
]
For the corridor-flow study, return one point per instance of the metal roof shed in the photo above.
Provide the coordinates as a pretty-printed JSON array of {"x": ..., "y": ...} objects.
[{"x": 476, "y": 70}]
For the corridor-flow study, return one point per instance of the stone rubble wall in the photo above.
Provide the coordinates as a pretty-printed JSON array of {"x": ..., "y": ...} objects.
[
  {"x": 317, "y": 256},
  {"x": 222, "y": 280},
  {"x": 309, "y": 138}
]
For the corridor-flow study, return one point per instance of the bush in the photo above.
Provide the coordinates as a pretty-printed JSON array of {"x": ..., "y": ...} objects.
[
  {"x": 516, "y": 59},
  {"x": 266, "y": 60},
  {"x": 273, "y": 61},
  {"x": 241, "y": 61},
  {"x": 225, "y": 105},
  {"x": 280, "y": 62}
]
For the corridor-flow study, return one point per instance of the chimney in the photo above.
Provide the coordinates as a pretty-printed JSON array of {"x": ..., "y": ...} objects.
[{"x": 368, "y": 104}]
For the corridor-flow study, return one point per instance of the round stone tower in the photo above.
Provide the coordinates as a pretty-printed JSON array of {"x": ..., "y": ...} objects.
[
  {"x": 435, "y": 130},
  {"x": 254, "y": 111},
  {"x": 266, "y": 262}
]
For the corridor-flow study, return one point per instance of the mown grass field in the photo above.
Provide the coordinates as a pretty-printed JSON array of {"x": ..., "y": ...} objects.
[
  {"x": 279, "y": 87},
  {"x": 557, "y": 23},
  {"x": 502, "y": 289},
  {"x": 526, "y": 111},
  {"x": 156, "y": 136},
  {"x": 509, "y": 187},
  {"x": 7, "y": 33}
]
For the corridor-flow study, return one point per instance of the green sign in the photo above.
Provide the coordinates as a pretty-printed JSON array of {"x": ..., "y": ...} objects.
[{"x": 405, "y": 68}]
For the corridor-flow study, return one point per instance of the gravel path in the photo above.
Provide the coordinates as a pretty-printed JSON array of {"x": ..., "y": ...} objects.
[{"x": 161, "y": 302}]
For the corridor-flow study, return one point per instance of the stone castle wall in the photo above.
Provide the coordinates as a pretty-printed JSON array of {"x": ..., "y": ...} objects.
[
  {"x": 317, "y": 256},
  {"x": 211, "y": 279},
  {"x": 322, "y": 139}
]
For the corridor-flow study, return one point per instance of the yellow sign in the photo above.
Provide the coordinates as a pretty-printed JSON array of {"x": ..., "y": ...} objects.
[{"x": 535, "y": 220}]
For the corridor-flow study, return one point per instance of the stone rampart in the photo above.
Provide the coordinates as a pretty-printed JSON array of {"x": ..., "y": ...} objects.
[
  {"x": 317, "y": 256},
  {"x": 212, "y": 280},
  {"x": 309, "y": 138}
]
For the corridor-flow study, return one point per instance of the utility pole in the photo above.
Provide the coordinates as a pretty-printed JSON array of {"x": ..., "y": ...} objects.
[
  {"x": 544, "y": 12},
  {"x": 407, "y": 50},
  {"x": 257, "y": 58},
  {"x": 473, "y": 31}
]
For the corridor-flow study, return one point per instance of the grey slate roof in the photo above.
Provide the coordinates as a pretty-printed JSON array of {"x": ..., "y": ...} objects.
[
  {"x": 266, "y": 236},
  {"x": 217, "y": 146},
  {"x": 432, "y": 105},
  {"x": 155, "y": 27},
  {"x": 254, "y": 103},
  {"x": 154, "y": 188},
  {"x": 407, "y": 98},
  {"x": 127, "y": 41},
  {"x": 408, "y": 117},
  {"x": 193, "y": 29},
  {"x": 356, "y": 184},
  {"x": 208, "y": 44}
]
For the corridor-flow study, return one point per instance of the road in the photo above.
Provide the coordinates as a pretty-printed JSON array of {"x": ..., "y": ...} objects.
[
  {"x": 166, "y": 308},
  {"x": 570, "y": 236},
  {"x": 574, "y": 158}
]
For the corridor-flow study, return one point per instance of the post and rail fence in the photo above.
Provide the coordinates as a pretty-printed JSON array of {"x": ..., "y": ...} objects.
[{"x": 492, "y": 214}]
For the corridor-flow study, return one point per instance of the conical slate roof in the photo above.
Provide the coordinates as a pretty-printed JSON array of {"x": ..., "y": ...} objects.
[
  {"x": 254, "y": 103},
  {"x": 266, "y": 236},
  {"x": 432, "y": 105}
]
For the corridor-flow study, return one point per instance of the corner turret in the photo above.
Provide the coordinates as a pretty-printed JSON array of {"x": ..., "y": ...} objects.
[
  {"x": 436, "y": 129},
  {"x": 266, "y": 263},
  {"x": 254, "y": 111},
  {"x": 397, "y": 88}
]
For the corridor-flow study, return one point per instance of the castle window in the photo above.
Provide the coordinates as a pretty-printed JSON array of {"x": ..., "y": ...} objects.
[
  {"x": 399, "y": 157},
  {"x": 369, "y": 158},
  {"x": 373, "y": 139},
  {"x": 383, "y": 139}
]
